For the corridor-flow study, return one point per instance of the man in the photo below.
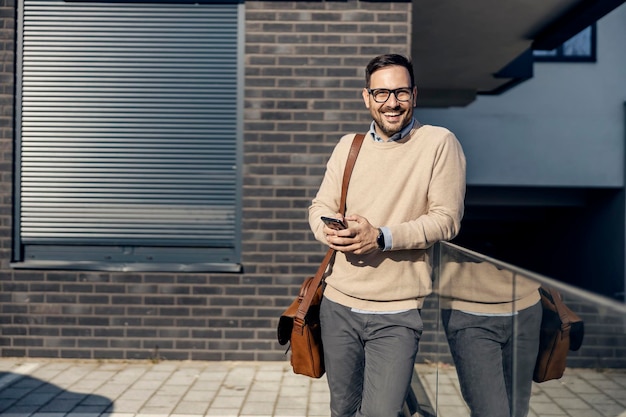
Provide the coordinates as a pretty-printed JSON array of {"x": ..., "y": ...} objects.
[{"x": 406, "y": 193}]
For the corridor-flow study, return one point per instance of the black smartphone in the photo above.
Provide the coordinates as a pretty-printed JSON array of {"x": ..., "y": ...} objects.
[{"x": 334, "y": 223}]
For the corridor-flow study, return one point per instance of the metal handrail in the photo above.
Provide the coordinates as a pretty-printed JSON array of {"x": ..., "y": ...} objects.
[{"x": 542, "y": 279}]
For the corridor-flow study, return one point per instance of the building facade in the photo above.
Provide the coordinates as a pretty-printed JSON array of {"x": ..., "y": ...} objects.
[{"x": 289, "y": 77}]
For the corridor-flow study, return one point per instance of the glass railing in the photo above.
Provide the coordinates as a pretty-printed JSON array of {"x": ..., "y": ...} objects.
[{"x": 479, "y": 346}]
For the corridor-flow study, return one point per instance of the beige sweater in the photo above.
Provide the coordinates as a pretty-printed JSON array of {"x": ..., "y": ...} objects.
[{"x": 416, "y": 187}]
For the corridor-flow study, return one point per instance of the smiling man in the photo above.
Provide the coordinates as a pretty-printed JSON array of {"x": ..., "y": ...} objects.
[{"x": 406, "y": 193}]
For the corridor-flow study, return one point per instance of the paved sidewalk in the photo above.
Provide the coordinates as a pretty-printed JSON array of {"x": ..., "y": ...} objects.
[
  {"x": 73, "y": 388},
  {"x": 80, "y": 388}
]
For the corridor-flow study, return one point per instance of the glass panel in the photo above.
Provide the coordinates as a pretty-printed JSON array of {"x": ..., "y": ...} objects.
[
  {"x": 579, "y": 45},
  {"x": 485, "y": 333}
]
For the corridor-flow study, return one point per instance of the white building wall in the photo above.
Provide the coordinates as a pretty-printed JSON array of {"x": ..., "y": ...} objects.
[{"x": 562, "y": 128}]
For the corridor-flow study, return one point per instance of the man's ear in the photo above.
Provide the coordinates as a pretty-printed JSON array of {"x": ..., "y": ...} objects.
[
  {"x": 415, "y": 96},
  {"x": 366, "y": 97}
]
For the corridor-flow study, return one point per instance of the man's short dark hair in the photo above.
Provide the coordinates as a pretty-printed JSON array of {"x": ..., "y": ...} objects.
[{"x": 387, "y": 60}]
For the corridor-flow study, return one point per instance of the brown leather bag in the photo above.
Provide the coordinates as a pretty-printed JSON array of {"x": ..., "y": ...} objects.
[
  {"x": 300, "y": 323},
  {"x": 562, "y": 330}
]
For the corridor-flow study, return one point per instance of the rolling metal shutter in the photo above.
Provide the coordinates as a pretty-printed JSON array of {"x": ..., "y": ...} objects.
[{"x": 128, "y": 132}]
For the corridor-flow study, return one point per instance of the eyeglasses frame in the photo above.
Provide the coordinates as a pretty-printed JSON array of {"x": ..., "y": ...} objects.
[{"x": 394, "y": 92}]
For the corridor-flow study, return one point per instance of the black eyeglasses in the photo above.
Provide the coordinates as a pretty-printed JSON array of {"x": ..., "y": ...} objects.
[{"x": 381, "y": 95}]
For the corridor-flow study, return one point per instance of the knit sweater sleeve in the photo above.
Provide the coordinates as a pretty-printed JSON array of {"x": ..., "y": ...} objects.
[{"x": 445, "y": 198}]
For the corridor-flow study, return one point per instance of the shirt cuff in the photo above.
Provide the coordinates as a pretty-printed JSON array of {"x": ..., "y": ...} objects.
[{"x": 387, "y": 235}]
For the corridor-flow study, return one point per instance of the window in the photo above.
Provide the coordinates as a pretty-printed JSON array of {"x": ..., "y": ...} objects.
[
  {"x": 580, "y": 48},
  {"x": 128, "y": 136}
]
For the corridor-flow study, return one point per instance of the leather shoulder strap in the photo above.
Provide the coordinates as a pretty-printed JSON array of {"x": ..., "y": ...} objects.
[
  {"x": 317, "y": 280},
  {"x": 566, "y": 315},
  {"x": 347, "y": 173}
]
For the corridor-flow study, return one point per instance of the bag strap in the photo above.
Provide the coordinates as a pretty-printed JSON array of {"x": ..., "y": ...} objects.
[
  {"x": 562, "y": 310},
  {"x": 347, "y": 173},
  {"x": 317, "y": 280}
]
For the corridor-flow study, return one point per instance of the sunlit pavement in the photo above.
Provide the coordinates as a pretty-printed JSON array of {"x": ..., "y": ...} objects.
[{"x": 91, "y": 388}]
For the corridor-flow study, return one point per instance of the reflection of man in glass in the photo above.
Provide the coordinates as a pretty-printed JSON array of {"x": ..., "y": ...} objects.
[{"x": 492, "y": 322}]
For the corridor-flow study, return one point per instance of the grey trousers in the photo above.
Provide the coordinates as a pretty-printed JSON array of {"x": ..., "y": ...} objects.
[
  {"x": 494, "y": 359},
  {"x": 369, "y": 359}
]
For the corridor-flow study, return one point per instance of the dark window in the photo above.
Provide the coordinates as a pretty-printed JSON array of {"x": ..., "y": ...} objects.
[{"x": 579, "y": 48}]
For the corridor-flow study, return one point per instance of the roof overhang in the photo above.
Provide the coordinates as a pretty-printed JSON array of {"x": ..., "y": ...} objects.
[{"x": 464, "y": 48}]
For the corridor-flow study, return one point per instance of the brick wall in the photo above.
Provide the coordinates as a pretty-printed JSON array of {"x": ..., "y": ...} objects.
[{"x": 304, "y": 69}]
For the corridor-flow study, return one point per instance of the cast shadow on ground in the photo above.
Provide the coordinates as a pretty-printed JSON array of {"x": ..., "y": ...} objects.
[{"x": 22, "y": 395}]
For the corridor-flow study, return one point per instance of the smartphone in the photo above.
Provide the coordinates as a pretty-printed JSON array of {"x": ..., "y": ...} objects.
[{"x": 334, "y": 223}]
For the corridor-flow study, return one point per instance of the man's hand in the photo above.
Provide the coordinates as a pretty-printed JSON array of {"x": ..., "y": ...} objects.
[{"x": 359, "y": 238}]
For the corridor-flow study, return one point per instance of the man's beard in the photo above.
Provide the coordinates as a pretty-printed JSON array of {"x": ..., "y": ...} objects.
[{"x": 391, "y": 129}]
